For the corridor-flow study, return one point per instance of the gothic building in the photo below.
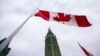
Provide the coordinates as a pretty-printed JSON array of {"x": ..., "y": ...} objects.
[{"x": 51, "y": 45}]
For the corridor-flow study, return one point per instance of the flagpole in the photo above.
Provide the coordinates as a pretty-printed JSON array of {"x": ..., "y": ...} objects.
[{"x": 10, "y": 37}]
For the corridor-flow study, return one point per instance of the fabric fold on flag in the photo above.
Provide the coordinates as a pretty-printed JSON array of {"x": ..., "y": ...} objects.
[
  {"x": 78, "y": 20},
  {"x": 85, "y": 51},
  {"x": 44, "y": 14},
  {"x": 82, "y": 21}
]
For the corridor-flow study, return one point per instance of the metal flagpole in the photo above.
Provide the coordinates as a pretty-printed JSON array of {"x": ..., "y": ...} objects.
[{"x": 7, "y": 41}]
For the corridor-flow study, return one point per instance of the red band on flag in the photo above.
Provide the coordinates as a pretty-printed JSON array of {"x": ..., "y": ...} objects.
[
  {"x": 44, "y": 14},
  {"x": 82, "y": 21}
]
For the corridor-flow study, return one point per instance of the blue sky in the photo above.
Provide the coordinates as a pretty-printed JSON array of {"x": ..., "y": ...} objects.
[{"x": 29, "y": 41}]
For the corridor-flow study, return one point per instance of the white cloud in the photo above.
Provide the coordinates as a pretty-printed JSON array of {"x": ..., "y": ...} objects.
[{"x": 30, "y": 40}]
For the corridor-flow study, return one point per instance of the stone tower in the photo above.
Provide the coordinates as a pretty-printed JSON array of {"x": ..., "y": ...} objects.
[{"x": 51, "y": 45}]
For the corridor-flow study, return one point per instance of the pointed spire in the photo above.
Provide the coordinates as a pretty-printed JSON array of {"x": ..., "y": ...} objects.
[
  {"x": 51, "y": 45},
  {"x": 2, "y": 40},
  {"x": 10, "y": 37},
  {"x": 6, "y": 50},
  {"x": 50, "y": 32}
]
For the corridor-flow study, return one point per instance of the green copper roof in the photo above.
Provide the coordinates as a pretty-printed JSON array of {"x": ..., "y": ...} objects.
[
  {"x": 50, "y": 32},
  {"x": 6, "y": 50},
  {"x": 51, "y": 45}
]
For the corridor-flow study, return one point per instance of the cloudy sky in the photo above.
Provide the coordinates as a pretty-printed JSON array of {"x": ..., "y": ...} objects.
[{"x": 30, "y": 40}]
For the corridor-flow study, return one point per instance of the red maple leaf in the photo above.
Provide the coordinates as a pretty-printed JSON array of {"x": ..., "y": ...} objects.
[{"x": 62, "y": 17}]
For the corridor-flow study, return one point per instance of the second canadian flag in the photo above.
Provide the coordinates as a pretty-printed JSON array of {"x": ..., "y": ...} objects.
[{"x": 68, "y": 19}]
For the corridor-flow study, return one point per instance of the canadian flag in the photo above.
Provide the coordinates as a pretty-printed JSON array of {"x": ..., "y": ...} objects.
[
  {"x": 85, "y": 51},
  {"x": 68, "y": 19}
]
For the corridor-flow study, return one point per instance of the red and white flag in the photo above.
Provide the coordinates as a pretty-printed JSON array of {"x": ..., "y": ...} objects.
[
  {"x": 68, "y": 19},
  {"x": 85, "y": 51}
]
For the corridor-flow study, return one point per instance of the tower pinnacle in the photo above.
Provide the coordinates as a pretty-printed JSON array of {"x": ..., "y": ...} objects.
[
  {"x": 50, "y": 32},
  {"x": 51, "y": 45}
]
